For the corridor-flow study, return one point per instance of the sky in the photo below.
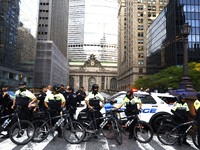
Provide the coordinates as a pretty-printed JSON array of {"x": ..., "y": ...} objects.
[{"x": 29, "y": 14}]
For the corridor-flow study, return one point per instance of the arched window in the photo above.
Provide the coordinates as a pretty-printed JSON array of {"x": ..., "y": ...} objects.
[
  {"x": 91, "y": 81},
  {"x": 71, "y": 82},
  {"x": 113, "y": 84}
]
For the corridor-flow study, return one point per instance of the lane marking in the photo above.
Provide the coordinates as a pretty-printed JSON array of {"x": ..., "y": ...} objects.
[{"x": 38, "y": 146}]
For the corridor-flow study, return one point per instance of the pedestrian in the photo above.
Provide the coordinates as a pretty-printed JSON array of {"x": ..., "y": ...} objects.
[
  {"x": 81, "y": 95},
  {"x": 197, "y": 110},
  {"x": 71, "y": 102},
  {"x": 49, "y": 89},
  {"x": 55, "y": 101},
  {"x": 181, "y": 111},
  {"x": 131, "y": 103}
]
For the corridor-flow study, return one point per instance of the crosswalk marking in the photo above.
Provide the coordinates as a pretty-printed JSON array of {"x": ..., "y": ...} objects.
[
  {"x": 106, "y": 144},
  {"x": 38, "y": 146},
  {"x": 7, "y": 145},
  {"x": 168, "y": 147}
]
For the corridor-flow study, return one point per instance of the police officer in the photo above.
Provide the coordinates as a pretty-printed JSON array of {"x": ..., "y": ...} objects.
[
  {"x": 131, "y": 102},
  {"x": 41, "y": 98},
  {"x": 71, "y": 101},
  {"x": 4, "y": 100},
  {"x": 93, "y": 102},
  {"x": 62, "y": 89},
  {"x": 181, "y": 111},
  {"x": 197, "y": 110},
  {"x": 55, "y": 101},
  {"x": 24, "y": 98},
  {"x": 80, "y": 95}
]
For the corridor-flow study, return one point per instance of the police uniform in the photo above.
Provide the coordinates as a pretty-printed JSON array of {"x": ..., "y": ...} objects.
[
  {"x": 71, "y": 100},
  {"x": 94, "y": 101},
  {"x": 80, "y": 97},
  {"x": 41, "y": 98},
  {"x": 131, "y": 109},
  {"x": 23, "y": 98},
  {"x": 181, "y": 112},
  {"x": 54, "y": 102}
]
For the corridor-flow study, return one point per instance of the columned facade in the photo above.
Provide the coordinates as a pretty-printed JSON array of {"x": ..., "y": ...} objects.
[{"x": 91, "y": 72}]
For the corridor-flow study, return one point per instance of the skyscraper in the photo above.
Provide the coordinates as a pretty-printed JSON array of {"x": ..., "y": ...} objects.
[
  {"x": 52, "y": 23},
  {"x": 51, "y": 66},
  {"x": 134, "y": 19},
  {"x": 93, "y": 30},
  {"x": 164, "y": 42}
]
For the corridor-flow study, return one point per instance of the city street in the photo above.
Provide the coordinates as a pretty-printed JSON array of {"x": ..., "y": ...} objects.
[{"x": 99, "y": 144}]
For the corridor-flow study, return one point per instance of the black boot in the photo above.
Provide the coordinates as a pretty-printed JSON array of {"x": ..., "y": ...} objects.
[
  {"x": 186, "y": 143},
  {"x": 130, "y": 136}
]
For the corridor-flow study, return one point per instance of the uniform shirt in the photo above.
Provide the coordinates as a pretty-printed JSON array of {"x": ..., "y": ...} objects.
[
  {"x": 197, "y": 104},
  {"x": 41, "y": 98},
  {"x": 80, "y": 97},
  {"x": 71, "y": 100},
  {"x": 182, "y": 107},
  {"x": 25, "y": 93},
  {"x": 58, "y": 96},
  {"x": 98, "y": 96},
  {"x": 133, "y": 101}
]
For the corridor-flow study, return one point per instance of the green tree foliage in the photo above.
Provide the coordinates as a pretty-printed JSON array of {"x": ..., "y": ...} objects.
[{"x": 170, "y": 78}]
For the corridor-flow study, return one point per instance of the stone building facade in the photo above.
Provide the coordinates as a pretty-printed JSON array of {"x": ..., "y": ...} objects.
[{"x": 85, "y": 74}]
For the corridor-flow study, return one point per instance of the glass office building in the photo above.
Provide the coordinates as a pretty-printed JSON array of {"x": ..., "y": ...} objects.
[
  {"x": 93, "y": 30},
  {"x": 164, "y": 42}
]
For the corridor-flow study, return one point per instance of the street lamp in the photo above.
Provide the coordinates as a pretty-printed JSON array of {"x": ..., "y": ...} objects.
[{"x": 185, "y": 84}]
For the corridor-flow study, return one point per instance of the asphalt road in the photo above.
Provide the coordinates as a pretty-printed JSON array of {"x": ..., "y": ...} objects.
[{"x": 94, "y": 144}]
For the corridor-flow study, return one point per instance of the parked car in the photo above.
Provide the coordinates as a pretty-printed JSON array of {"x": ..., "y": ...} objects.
[{"x": 154, "y": 105}]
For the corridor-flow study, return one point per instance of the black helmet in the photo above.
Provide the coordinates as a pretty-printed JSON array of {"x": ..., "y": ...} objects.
[
  {"x": 22, "y": 83},
  {"x": 129, "y": 91},
  {"x": 94, "y": 86},
  {"x": 182, "y": 96},
  {"x": 56, "y": 87},
  {"x": 22, "y": 88},
  {"x": 198, "y": 96}
]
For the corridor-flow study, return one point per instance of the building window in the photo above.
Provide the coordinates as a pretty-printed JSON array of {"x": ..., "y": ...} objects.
[
  {"x": 140, "y": 70},
  {"x": 154, "y": 14},
  {"x": 149, "y": 7},
  {"x": 161, "y": 8},
  {"x": 140, "y": 55},
  {"x": 140, "y": 41},
  {"x": 140, "y": 7},
  {"x": 140, "y": 62},
  {"x": 149, "y": 21},
  {"x": 154, "y": 8},
  {"x": 140, "y": 14},
  {"x": 149, "y": 14},
  {"x": 140, "y": 20},
  {"x": 140, "y": 1},
  {"x": 140, "y": 34},
  {"x": 140, "y": 48}
]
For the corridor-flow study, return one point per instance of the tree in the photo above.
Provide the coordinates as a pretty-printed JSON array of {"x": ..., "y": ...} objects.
[{"x": 170, "y": 78}]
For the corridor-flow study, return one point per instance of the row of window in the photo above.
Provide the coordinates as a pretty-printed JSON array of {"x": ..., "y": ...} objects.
[
  {"x": 92, "y": 45},
  {"x": 44, "y": 11},
  {"x": 44, "y": 3},
  {"x": 43, "y": 25},
  {"x": 42, "y": 33},
  {"x": 43, "y": 18}
]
